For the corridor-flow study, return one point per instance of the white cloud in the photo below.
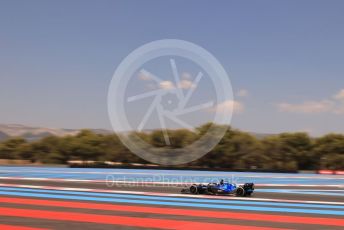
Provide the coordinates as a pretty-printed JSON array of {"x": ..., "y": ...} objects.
[
  {"x": 228, "y": 106},
  {"x": 144, "y": 76},
  {"x": 186, "y": 76},
  {"x": 242, "y": 93},
  {"x": 186, "y": 84},
  {"x": 166, "y": 85},
  {"x": 334, "y": 105},
  {"x": 308, "y": 107},
  {"x": 151, "y": 86},
  {"x": 339, "y": 95},
  {"x": 339, "y": 110}
]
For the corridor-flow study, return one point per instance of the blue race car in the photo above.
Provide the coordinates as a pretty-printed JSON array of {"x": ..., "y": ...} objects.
[{"x": 222, "y": 188}]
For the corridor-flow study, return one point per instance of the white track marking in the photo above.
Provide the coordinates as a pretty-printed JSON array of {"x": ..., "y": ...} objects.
[
  {"x": 169, "y": 194},
  {"x": 158, "y": 182},
  {"x": 225, "y": 174}
]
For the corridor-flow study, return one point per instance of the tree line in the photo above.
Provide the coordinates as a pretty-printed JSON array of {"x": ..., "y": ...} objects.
[{"x": 237, "y": 150}]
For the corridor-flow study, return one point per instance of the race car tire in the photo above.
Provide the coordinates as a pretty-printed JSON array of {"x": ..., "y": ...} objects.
[
  {"x": 240, "y": 191},
  {"x": 193, "y": 189},
  {"x": 248, "y": 194}
]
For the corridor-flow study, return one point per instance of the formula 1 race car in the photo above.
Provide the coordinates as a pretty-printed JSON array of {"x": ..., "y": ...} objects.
[{"x": 222, "y": 188}]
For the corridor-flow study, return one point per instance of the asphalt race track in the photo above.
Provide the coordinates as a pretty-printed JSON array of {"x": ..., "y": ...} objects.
[{"x": 66, "y": 198}]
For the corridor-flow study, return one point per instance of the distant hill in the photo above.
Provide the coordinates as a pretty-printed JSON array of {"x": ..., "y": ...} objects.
[
  {"x": 36, "y": 133},
  {"x": 261, "y": 135},
  {"x": 3, "y": 136}
]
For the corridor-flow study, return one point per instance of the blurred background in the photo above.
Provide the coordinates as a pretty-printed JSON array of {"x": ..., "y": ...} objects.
[{"x": 284, "y": 59}]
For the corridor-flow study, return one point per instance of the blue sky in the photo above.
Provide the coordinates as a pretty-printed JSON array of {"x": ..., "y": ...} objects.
[{"x": 285, "y": 58}]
